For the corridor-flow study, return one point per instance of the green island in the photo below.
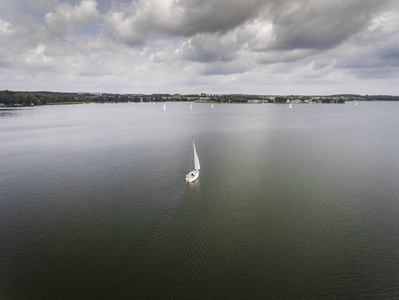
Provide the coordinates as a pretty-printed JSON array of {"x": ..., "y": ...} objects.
[{"x": 20, "y": 98}]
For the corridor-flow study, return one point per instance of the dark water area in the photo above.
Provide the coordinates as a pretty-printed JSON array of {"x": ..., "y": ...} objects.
[{"x": 290, "y": 204}]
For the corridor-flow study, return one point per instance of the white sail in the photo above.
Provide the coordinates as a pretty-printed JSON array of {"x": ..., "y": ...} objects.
[
  {"x": 196, "y": 159},
  {"x": 164, "y": 106},
  {"x": 193, "y": 175},
  {"x": 212, "y": 105},
  {"x": 191, "y": 107}
]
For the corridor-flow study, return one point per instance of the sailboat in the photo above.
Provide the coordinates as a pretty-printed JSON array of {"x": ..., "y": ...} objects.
[
  {"x": 193, "y": 175},
  {"x": 164, "y": 106},
  {"x": 191, "y": 106},
  {"x": 212, "y": 105},
  {"x": 290, "y": 106}
]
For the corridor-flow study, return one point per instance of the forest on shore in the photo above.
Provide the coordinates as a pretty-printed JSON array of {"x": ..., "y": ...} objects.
[{"x": 14, "y": 98}]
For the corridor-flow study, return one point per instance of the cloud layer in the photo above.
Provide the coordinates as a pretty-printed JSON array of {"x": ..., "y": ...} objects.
[
  {"x": 67, "y": 17},
  {"x": 226, "y": 46}
]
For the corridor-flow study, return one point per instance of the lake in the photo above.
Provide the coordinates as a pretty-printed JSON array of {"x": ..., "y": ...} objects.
[{"x": 289, "y": 204}]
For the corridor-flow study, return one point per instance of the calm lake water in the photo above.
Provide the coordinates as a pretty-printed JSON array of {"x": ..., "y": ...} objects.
[{"x": 290, "y": 204}]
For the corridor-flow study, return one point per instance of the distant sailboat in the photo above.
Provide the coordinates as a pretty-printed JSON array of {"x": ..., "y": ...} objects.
[
  {"x": 290, "y": 106},
  {"x": 212, "y": 105},
  {"x": 355, "y": 103},
  {"x": 193, "y": 175},
  {"x": 191, "y": 107},
  {"x": 164, "y": 106}
]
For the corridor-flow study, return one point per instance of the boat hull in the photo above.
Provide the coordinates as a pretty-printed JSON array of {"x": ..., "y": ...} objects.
[{"x": 192, "y": 176}]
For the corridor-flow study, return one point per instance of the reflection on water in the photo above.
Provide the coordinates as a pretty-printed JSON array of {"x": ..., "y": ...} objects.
[{"x": 297, "y": 203}]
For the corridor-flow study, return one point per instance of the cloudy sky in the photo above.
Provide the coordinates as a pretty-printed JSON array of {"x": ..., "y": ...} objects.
[{"x": 277, "y": 47}]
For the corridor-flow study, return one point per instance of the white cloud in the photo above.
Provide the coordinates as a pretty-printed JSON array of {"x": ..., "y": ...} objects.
[
  {"x": 37, "y": 58},
  {"x": 66, "y": 17},
  {"x": 5, "y": 29}
]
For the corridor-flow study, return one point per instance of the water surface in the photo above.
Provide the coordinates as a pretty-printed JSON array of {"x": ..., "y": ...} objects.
[{"x": 290, "y": 204}]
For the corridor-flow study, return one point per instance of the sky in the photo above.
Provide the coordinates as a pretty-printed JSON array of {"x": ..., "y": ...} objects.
[{"x": 267, "y": 47}]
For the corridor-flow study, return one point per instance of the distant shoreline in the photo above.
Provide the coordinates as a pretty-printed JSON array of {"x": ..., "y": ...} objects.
[{"x": 11, "y": 98}]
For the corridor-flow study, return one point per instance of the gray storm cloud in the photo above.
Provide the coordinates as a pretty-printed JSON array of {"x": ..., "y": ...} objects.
[
  {"x": 321, "y": 24},
  {"x": 252, "y": 41},
  {"x": 318, "y": 24},
  {"x": 135, "y": 22}
]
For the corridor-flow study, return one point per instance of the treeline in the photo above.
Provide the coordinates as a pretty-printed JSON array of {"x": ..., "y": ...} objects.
[
  {"x": 239, "y": 98},
  {"x": 353, "y": 97},
  {"x": 10, "y": 98},
  {"x": 381, "y": 98}
]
